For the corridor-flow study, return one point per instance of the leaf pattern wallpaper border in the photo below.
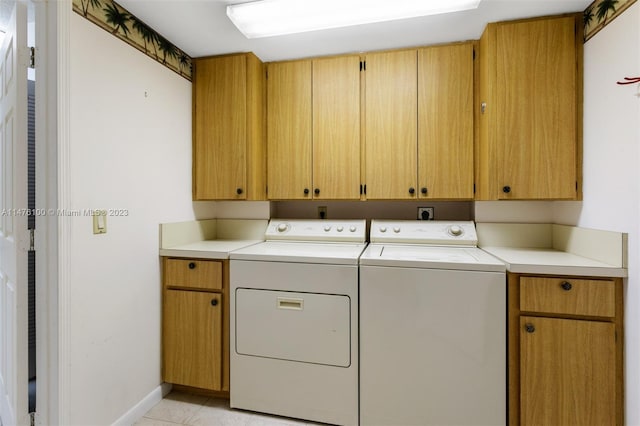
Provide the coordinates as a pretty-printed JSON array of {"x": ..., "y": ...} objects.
[
  {"x": 117, "y": 20},
  {"x": 601, "y": 13}
]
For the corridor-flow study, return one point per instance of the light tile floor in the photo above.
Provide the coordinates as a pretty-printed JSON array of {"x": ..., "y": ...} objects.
[{"x": 195, "y": 410}]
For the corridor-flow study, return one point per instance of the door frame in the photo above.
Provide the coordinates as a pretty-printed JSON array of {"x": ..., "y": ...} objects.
[{"x": 52, "y": 20}]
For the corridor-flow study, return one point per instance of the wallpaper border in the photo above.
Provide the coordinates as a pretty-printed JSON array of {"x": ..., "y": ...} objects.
[
  {"x": 110, "y": 16},
  {"x": 601, "y": 13}
]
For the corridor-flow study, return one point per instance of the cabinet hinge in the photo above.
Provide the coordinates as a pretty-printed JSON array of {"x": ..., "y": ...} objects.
[
  {"x": 32, "y": 57},
  {"x": 32, "y": 240}
]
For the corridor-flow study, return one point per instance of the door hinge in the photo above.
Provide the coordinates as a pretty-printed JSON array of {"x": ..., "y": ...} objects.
[
  {"x": 32, "y": 240},
  {"x": 32, "y": 57}
]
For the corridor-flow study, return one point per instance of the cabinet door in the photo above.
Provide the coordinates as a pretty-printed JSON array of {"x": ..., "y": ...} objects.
[
  {"x": 391, "y": 125},
  {"x": 336, "y": 128},
  {"x": 289, "y": 130},
  {"x": 220, "y": 128},
  {"x": 445, "y": 121},
  {"x": 192, "y": 339},
  {"x": 567, "y": 372},
  {"x": 536, "y": 108}
]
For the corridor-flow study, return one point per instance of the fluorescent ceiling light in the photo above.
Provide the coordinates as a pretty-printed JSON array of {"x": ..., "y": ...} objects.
[{"x": 267, "y": 18}]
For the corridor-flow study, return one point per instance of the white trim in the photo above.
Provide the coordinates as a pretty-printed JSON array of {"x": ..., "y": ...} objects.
[
  {"x": 64, "y": 10},
  {"x": 147, "y": 403}
]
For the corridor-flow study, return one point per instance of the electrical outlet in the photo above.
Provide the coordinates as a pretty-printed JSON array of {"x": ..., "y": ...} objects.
[
  {"x": 322, "y": 212},
  {"x": 425, "y": 213}
]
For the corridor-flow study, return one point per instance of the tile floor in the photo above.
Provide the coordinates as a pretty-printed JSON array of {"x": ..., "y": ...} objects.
[{"x": 195, "y": 410}]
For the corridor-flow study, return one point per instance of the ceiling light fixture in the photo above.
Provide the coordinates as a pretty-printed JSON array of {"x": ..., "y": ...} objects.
[{"x": 265, "y": 18}]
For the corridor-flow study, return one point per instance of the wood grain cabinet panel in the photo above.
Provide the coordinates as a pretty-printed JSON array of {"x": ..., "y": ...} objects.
[
  {"x": 565, "y": 350},
  {"x": 336, "y": 128},
  {"x": 391, "y": 113},
  {"x": 192, "y": 339},
  {"x": 195, "y": 323},
  {"x": 445, "y": 121},
  {"x": 289, "y": 130},
  {"x": 193, "y": 274},
  {"x": 570, "y": 296},
  {"x": 228, "y": 128},
  {"x": 530, "y": 109},
  {"x": 567, "y": 372}
]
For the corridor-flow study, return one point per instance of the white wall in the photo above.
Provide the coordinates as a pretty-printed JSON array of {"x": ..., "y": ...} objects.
[
  {"x": 612, "y": 166},
  {"x": 130, "y": 149}
]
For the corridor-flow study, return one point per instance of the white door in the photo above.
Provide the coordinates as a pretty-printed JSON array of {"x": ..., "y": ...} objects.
[{"x": 14, "y": 237}]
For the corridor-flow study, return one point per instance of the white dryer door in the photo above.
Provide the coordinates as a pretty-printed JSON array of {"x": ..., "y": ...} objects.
[{"x": 305, "y": 327}]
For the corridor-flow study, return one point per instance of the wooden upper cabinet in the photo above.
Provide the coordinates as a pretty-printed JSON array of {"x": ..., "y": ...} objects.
[
  {"x": 336, "y": 128},
  {"x": 289, "y": 131},
  {"x": 445, "y": 121},
  {"x": 390, "y": 127},
  {"x": 530, "y": 131},
  {"x": 228, "y": 128}
]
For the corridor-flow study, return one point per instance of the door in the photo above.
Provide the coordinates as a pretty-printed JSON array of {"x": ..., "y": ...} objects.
[
  {"x": 220, "y": 128},
  {"x": 336, "y": 128},
  {"x": 567, "y": 372},
  {"x": 289, "y": 130},
  {"x": 445, "y": 122},
  {"x": 14, "y": 240},
  {"x": 536, "y": 71},
  {"x": 391, "y": 109}
]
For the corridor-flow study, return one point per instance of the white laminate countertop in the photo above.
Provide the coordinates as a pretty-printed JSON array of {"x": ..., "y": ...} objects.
[
  {"x": 551, "y": 261},
  {"x": 211, "y": 249}
]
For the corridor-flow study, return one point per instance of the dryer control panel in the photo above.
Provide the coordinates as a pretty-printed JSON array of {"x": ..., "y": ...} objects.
[
  {"x": 317, "y": 230},
  {"x": 436, "y": 232}
]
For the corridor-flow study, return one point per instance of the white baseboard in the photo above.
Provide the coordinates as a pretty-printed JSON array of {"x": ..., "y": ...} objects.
[{"x": 141, "y": 408}]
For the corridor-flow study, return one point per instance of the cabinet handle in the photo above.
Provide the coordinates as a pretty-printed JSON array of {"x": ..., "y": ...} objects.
[
  {"x": 306, "y": 191},
  {"x": 239, "y": 191},
  {"x": 566, "y": 286},
  {"x": 506, "y": 189},
  {"x": 412, "y": 190},
  {"x": 424, "y": 191},
  {"x": 214, "y": 302},
  {"x": 192, "y": 265},
  {"x": 316, "y": 191},
  {"x": 529, "y": 328}
]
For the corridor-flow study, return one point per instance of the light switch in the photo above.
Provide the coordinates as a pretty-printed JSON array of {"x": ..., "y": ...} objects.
[{"x": 99, "y": 221}]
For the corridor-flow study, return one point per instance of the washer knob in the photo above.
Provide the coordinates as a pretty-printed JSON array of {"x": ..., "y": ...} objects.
[
  {"x": 352, "y": 229},
  {"x": 282, "y": 227},
  {"x": 327, "y": 228},
  {"x": 455, "y": 230},
  {"x": 396, "y": 229},
  {"x": 340, "y": 229},
  {"x": 383, "y": 229}
]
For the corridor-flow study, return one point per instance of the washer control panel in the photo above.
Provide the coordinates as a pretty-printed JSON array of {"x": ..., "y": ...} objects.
[
  {"x": 433, "y": 232},
  {"x": 317, "y": 230}
]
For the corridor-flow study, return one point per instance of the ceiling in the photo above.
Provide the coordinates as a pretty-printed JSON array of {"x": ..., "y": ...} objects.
[{"x": 201, "y": 28}]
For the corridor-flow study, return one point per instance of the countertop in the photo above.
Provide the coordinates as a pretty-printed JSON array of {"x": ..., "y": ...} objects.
[
  {"x": 552, "y": 261},
  {"x": 213, "y": 249}
]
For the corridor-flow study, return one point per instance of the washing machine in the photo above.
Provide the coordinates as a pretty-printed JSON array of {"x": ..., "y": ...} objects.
[
  {"x": 294, "y": 321},
  {"x": 432, "y": 327}
]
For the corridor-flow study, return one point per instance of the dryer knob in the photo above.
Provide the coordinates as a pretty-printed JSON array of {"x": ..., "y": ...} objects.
[
  {"x": 396, "y": 229},
  {"x": 282, "y": 227},
  {"x": 339, "y": 229},
  {"x": 327, "y": 228},
  {"x": 352, "y": 229},
  {"x": 383, "y": 229},
  {"x": 455, "y": 230}
]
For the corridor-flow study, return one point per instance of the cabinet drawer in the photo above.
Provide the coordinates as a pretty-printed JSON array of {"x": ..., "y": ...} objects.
[
  {"x": 191, "y": 273},
  {"x": 567, "y": 296}
]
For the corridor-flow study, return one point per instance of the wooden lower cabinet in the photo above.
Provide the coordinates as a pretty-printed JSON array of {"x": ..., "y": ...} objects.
[
  {"x": 195, "y": 337},
  {"x": 565, "y": 368}
]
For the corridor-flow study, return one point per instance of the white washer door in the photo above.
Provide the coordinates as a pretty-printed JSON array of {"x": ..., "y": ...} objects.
[{"x": 306, "y": 327}]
